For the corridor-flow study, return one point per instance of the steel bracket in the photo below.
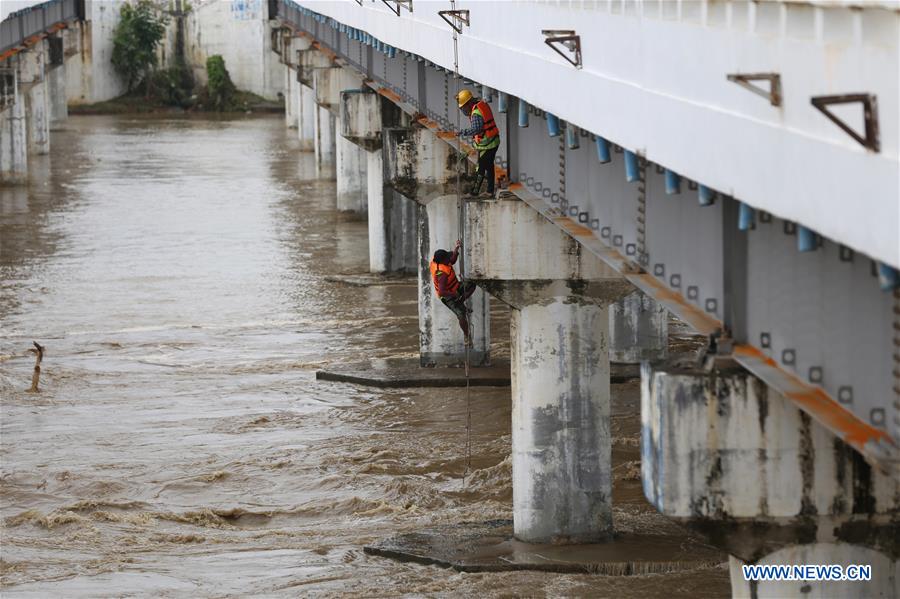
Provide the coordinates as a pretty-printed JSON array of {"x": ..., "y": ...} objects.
[
  {"x": 564, "y": 38},
  {"x": 455, "y": 18},
  {"x": 870, "y": 116},
  {"x": 773, "y": 95},
  {"x": 407, "y": 4}
]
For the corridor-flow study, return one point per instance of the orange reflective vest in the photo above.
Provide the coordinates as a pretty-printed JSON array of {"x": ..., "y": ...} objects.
[
  {"x": 452, "y": 282},
  {"x": 490, "y": 134}
]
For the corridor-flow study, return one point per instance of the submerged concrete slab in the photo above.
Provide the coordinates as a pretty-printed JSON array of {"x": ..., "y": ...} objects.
[
  {"x": 490, "y": 547},
  {"x": 407, "y": 373}
]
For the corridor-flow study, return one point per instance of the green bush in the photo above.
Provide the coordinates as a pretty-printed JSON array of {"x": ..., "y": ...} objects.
[
  {"x": 221, "y": 89},
  {"x": 171, "y": 86},
  {"x": 139, "y": 31}
]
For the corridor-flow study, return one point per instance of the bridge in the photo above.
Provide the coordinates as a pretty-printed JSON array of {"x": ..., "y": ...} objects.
[{"x": 732, "y": 163}]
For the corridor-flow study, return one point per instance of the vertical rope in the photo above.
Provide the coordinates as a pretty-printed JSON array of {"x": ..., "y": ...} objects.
[{"x": 460, "y": 157}]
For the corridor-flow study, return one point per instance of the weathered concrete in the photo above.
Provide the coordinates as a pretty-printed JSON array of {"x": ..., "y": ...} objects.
[
  {"x": 351, "y": 164},
  {"x": 241, "y": 33},
  {"x": 638, "y": 329},
  {"x": 422, "y": 167},
  {"x": 559, "y": 336},
  {"x": 329, "y": 82},
  {"x": 490, "y": 547},
  {"x": 291, "y": 97},
  {"x": 392, "y": 218},
  {"x": 57, "y": 95},
  {"x": 562, "y": 480},
  {"x": 409, "y": 373},
  {"x": 13, "y": 140},
  {"x": 33, "y": 85},
  {"x": 730, "y": 457},
  {"x": 324, "y": 143},
  {"x": 441, "y": 342},
  {"x": 306, "y": 118}
]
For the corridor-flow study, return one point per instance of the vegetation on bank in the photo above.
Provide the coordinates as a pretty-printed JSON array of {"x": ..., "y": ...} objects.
[{"x": 136, "y": 39}]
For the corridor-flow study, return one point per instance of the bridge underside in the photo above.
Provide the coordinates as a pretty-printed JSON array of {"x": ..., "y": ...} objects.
[{"x": 804, "y": 314}]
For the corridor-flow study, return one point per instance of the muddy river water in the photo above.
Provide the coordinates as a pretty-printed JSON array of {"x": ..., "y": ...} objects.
[{"x": 187, "y": 278}]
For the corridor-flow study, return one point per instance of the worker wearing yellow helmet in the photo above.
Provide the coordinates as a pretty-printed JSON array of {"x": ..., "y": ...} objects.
[{"x": 486, "y": 138}]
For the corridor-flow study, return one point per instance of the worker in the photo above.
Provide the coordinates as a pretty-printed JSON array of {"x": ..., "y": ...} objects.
[
  {"x": 452, "y": 293},
  {"x": 486, "y": 136}
]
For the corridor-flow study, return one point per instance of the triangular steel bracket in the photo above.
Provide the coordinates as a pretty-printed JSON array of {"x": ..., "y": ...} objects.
[
  {"x": 773, "y": 95},
  {"x": 407, "y": 4},
  {"x": 870, "y": 116},
  {"x": 565, "y": 38},
  {"x": 455, "y": 18}
]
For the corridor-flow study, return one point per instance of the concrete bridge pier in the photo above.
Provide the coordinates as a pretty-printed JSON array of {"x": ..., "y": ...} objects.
[
  {"x": 350, "y": 161},
  {"x": 13, "y": 131},
  {"x": 306, "y": 117},
  {"x": 419, "y": 165},
  {"x": 730, "y": 457},
  {"x": 33, "y": 83},
  {"x": 310, "y": 61},
  {"x": 638, "y": 329},
  {"x": 392, "y": 218},
  {"x": 559, "y": 334}
]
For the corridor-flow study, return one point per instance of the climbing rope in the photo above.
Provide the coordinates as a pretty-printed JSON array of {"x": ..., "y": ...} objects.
[{"x": 460, "y": 157}]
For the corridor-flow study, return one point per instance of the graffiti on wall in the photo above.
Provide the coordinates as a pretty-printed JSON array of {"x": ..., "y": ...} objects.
[{"x": 246, "y": 10}]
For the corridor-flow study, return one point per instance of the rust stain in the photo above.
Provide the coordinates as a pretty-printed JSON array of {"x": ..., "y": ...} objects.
[
  {"x": 812, "y": 400},
  {"x": 446, "y": 135},
  {"x": 331, "y": 55},
  {"x": 32, "y": 40},
  {"x": 387, "y": 93},
  {"x": 697, "y": 318}
]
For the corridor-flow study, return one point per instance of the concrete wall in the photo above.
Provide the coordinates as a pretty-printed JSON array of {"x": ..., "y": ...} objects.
[
  {"x": 241, "y": 34},
  {"x": 88, "y": 46}
]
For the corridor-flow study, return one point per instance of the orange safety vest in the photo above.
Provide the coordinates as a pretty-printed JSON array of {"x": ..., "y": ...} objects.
[
  {"x": 490, "y": 130},
  {"x": 452, "y": 282}
]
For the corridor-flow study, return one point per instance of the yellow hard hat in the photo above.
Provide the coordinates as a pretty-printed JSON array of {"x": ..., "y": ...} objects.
[{"x": 462, "y": 97}]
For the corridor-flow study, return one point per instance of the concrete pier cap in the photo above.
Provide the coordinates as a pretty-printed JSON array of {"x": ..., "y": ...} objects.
[
  {"x": 330, "y": 82},
  {"x": 730, "y": 457},
  {"x": 361, "y": 118},
  {"x": 308, "y": 62},
  {"x": 421, "y": 166},
  {"x": 559, "y": 329}
]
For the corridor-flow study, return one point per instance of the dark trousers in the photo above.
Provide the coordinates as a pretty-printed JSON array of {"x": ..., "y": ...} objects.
[
  {"x": 457, "y": 304},
  {"x": 485, "y": 170}
]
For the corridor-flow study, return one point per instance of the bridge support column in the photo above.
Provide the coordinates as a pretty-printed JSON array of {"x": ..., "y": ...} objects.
[
  {"x": 291, "y": 90},
  {"x": 730, "y": 457},
  {"x": 324, "y": 143},
  {"x": 57, "y": 93},
  {"x": 352, "y": 184},
  {"x": 37, "y": 103},
  {"x": 638, "y": 329},
  {"x": 392, "y": 218},
  {"x": 306, "y": 118},
  {"x": 559, "y": 335},
  {"x": 13, "y": 139},
  {"x": 418, "y": 165},
  {"x": 441, "y": 341}
]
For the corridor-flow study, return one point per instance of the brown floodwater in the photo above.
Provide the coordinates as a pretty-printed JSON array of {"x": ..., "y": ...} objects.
[{"x": 187, "y": 278}]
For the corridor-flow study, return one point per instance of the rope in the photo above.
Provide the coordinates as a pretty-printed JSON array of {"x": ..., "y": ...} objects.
[{"x": 460, "y": 157}]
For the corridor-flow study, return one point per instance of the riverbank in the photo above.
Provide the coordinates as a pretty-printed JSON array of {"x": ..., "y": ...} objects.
[{"x": 140, "y": 104}]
